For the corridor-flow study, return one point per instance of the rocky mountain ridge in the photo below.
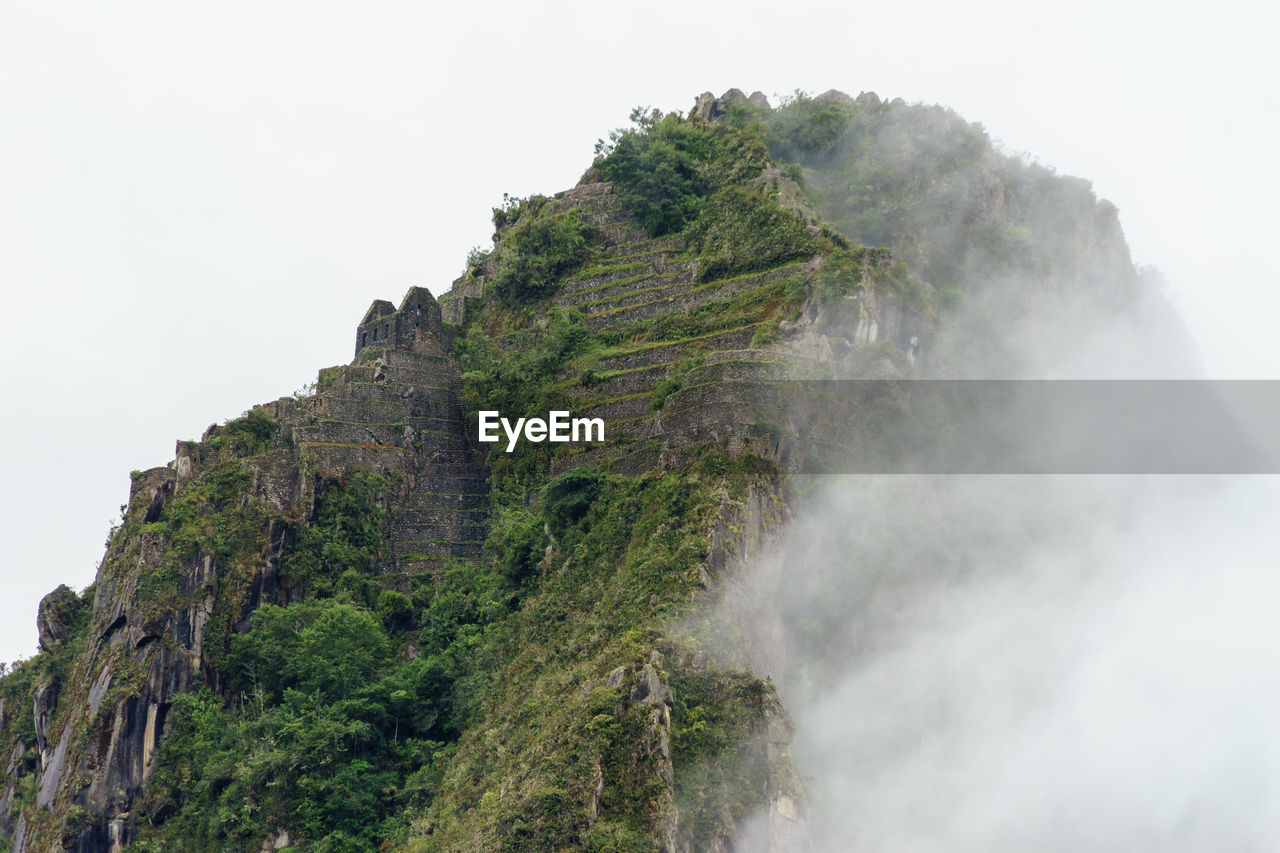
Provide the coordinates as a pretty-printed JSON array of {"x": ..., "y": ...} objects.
[{"x": 532, "y": 601}]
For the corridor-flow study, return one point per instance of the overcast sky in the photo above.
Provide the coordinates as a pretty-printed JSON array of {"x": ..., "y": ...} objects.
[{"x": 197, "y": 203}]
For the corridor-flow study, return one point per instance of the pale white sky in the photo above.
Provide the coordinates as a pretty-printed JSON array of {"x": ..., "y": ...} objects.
[{"x": 197, "y": 203}]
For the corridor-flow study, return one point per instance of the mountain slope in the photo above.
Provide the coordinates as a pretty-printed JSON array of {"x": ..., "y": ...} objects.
[{"x": 342, "y": 623}]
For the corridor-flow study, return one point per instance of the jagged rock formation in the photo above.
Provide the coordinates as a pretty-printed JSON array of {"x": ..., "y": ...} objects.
[
  {"x": 614, "y": 738},
  {"x": 51, "y": 623}
]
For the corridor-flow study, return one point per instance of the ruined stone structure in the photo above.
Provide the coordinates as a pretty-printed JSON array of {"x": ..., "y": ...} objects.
[{"x": 414, "y": 327}]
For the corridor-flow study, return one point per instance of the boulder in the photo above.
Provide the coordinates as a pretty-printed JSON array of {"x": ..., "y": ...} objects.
[
  {"x": 835, "y": 96},
  {"x": 51, "y": 621},
  {"x": 703, "y": 106}
]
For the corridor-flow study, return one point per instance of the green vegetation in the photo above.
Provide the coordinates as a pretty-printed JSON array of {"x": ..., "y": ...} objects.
[
  {"x": 504, "y": 704},
  {"x": 666, "y": 168},
  {"x": 212, "y": 516},
  {"x": 359, "y": 716},
  {"x": 343, "y": 539},
  {"x": 672, "y": 383},
  {"x": 538, "y": 251},
  {"x": 768, "y": 302},
  {"x": 719, "y": 769},
  {"x": 743, "y": 230},
  {"x": 804, "y": 128},
  {"x": 328, "y": 734},
  {"x": 338, "y": 711},
  {"x": 925, "y": 183},
  {"x": 245, "y": 436},
  {"x": 625, "y": 561},
  {"x": 701, "y": 181},
  {"x": 19, "y": 685},
  {"x": 845, "y": 271},
  {"x": 566, "y": 499},
  {"x": 475, "y": 257},
  {"x": 512, "y": 208},
  {"x": 331, "y": 736},
  {"x": 514, "y": 376}
]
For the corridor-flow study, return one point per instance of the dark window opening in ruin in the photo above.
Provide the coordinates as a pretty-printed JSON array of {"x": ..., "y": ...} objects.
[
  {"x": 364, "y": 339},
  {"x": 375, "y": 334}
]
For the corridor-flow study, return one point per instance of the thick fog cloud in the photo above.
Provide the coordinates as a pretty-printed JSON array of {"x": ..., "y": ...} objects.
[
  {"x": 1029, "y": 663},
  {"x": 1047, "y": 663}
]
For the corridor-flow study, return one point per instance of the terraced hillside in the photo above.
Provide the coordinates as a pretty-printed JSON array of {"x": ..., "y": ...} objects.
[{"x": 659, "y": 328}]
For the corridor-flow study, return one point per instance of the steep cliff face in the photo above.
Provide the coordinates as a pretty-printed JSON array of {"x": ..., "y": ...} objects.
[
  {"x": 201, "y": 549},
  {"x": 340, "y": 623}
]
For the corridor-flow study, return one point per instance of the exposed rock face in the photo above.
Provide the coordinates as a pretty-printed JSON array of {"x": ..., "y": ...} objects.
[
  {"x": 833, "y": 96},
  {"x": 51, "y": 621},
  {"x": 710, "y": 108}
]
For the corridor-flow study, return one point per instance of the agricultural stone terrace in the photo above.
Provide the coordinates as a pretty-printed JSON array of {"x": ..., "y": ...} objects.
[
  {"x": 650, "y": 295},
  {"x": 396, "y": 409}
]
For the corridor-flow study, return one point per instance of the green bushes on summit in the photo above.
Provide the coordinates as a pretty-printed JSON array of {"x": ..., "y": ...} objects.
[
  {"x": 700, "y": 180},
  {"x": 666, "y": 168},
  {"x": 932, "y": 187},
  {"x": 538, "y": 251},
  {"x": 656, "y": 168},
  {"x": 805, "y": 128}
]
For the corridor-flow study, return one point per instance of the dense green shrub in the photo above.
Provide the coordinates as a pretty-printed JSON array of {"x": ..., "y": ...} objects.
[
  {"x": 244, "y": 436},
  {"x": 666, "y": 168},
  {"x": 655, "y": 166},
  {"x": 345, "y": 533},
  {"x": 805, "y": 127},
  {"x": 515, "y": 542},
  {"x": 698, "y": 179},
  {"x": 743, "y": 230},
  {"x": 329, "y": 735},
  {"x": 566, "y": 499},
  {"x": 538, "y": 251}
]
